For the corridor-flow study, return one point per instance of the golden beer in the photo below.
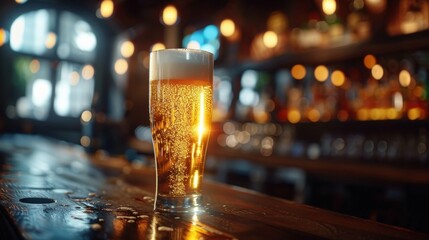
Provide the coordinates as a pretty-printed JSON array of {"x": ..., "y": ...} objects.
[{"x": 180, "y": 117}]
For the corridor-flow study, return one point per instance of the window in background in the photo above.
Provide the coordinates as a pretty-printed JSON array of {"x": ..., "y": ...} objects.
[
  {"x": 53, "y": 67},
  {"x": 34, "y": 75}
]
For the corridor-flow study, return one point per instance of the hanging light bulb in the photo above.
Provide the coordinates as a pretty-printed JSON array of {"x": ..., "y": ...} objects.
[
  {"x": 227, "y": 27},
  {"x": 51, "y": 40},
  {"x": 3, "y": 37},
  {"x": 121, "y": 66},
  {"x": 127, "y": 49},
  {"x": 338, "y": 78},
  {"x": 376, "y": 6},
  {"x": 169, "y": 15},
  {"x": 270, "y": 39},
  {"x": 329, "y": 7},
  {"x": 157, "y": 46},
  {"x": 106, "y": 8}
]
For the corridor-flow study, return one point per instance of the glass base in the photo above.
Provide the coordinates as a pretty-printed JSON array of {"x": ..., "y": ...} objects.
[{"x": 187, "y": 204}]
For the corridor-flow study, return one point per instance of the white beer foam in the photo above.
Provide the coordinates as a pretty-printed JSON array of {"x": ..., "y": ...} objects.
[{"x": 180, "y": 64}]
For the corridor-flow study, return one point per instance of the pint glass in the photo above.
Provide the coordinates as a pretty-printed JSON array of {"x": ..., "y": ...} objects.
[{"x": 180, "y": 109}]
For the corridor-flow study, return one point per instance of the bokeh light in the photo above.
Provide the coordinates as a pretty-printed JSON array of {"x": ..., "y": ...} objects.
[
  {"x": 169, "y": 15},
  {"x": 34, "y": 66},
  {"x": 106, "y": 8},
  {"x": 227, "y": 27},
  {"x": 270, "y": 39},
  {"x": 127, "y": 49},
  {"x": 369, "y": 61},
  {"x": 3, "y": 36},
  {"x": 51, "y": 40},
  {"x": 329, "y": 6},
  {"x": 321, "y": 73},
  {"x": 86, "y": 116},
  {"x": 294, "y": 116},
  {"x": 157, "y": 46},
  {"x": 338, "y": 78},
  {"x": 377, "y": 72},
  {"x": 404, "y": 78},
  {"x": 121, "y": 66},
  {"x": 88, "y": 72},
  {"x": 298, "y": 71}
]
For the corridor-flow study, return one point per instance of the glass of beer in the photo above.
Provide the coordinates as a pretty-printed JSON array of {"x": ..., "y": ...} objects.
[{"x": 180, "y": 109}]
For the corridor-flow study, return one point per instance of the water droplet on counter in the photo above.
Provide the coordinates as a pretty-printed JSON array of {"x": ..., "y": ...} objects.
[
  {"x": 64, "y": 191},
  {"x": 81, "y": 199},
  {"x": 164, "y": 228},
  {"x": 125, "y": 209},
  {"x": 95, "y": 226},
  {"x": 149, "y": 199},
  {"x": 126, "y": 217}
]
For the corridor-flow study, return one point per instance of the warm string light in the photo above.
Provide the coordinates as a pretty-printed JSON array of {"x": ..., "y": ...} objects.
[
  {"x": 169, "y": 15},
  {"x": 51, "y": 40},
  {"x": 369, "y": 61},
  {"x": 34, "y": 66},
  {"x": 106, "y": 8},
  {"x": 338, "y": 78},
  {"x": 377, "y": 72},
  {"x": 404, "y": 78},
  {"x": 270, "y": 39},
  {"x": 3, "y": 36},
  {"x": 227, "y": 28},
  {"x": 88, "y": 72},
  {"x": 86, "y": 116},
  {"x": 329, "y": 6},
  {"x": 321, "y": 73},
  {"x": 298, "y": 71},
  {"x": 157, "y": 46},
  {"x": 127, "y": 49},
  {"x": 121, "y": 66}
]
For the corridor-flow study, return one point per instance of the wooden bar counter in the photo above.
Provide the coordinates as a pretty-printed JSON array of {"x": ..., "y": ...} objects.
[{"x": 54, "y": 190}]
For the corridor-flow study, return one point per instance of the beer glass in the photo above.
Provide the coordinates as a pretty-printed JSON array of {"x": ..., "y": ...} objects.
[{"x": 180, "y": 109}]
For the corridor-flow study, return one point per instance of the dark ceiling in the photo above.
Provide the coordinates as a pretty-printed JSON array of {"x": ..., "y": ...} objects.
[{"x": 142, "y": 17}]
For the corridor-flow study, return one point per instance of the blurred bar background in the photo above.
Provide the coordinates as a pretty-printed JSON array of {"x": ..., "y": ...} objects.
[{"x": 322, "y": 102}]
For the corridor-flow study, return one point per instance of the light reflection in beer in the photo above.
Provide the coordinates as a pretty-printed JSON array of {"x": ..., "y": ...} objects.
[
  {"x": 195, "y": 219},
  {"x": 143, "y": 228},
  {"x": 196, "y": 180},
  {"x": 197, "y": 148},
  {"x": 153, "y": 227},
  {"x": 118, "y": 226},
  {"x": 201, "y": 129},
  {"x": 193, "y": 233}
]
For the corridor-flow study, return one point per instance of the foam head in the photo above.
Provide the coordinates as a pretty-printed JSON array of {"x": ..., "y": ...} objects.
[{"x": 180, "y": 64}]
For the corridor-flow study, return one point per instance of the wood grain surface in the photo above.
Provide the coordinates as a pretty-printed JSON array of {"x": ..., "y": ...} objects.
[{"x": 54, "y": 190}]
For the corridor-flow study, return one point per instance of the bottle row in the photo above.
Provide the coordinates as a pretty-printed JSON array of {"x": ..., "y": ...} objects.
[
  {"x": 367, "y": 88},
  {"x": 395, "y": 146}
]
